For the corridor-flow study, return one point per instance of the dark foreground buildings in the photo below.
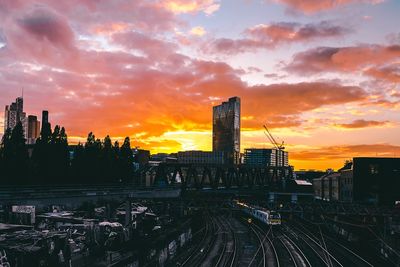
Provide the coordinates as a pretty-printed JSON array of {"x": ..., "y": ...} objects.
[
  {"x": 364, "y": 180},
  {"x": 226, "y": 130}
]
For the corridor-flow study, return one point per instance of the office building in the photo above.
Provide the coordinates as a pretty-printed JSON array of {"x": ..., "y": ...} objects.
[
  {"x": 201, "y": 157},
  {"x": 226, "y": 130},
  {"x": 266, "y": 157},
  {"x": 14, "y": 113},
  {"x": 32, "y": 129},
  {"x": 45, "y": 118}
]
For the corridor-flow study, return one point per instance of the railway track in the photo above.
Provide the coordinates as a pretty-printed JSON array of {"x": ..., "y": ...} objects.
[
  {"x": 291, "y": 244},
  {"x": 316, "y": 246},
  {"x": 285, "y": 251},
  {"x": 260, "y": 251},
  {"x": 289, "y": 252},
  {"x": 217, "y": 247},
  {"x": 269, "y": 254},
  {"x": 198, "y": 256},
  {"x": 195, "y": 255},
  {"x": 348, "y": 257},
  {"x": 313, "y": 253},
  {"x": 227, "y": 257},
  {"x": 235, "y": 246}
]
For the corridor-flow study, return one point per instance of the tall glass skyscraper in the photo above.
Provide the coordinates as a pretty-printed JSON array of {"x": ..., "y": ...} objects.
[
  {"x": 226, "y": 129},
  {"x": 14, "y": 113}
]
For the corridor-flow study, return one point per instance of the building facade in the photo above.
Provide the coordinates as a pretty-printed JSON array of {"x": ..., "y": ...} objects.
[
  {"x": 328, "y": 187},
  {"x": 226, "y": 130},
  {"x": 376, "y": 180},
  {"x": 45, "y": 117},
  {"x": 266, "y": 157},
  {"x": 346, "y": 184},
  {"x": 14, "y": 113},
  {"x": 201, "y": 157},
  {"x": 365, "y": 180},
  {"x": 141, "y": 156},
  {"x": 32, "y": 129}
]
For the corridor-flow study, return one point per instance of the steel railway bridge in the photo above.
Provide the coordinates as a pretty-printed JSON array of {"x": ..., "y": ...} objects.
[{"x": 215, "y": 176}]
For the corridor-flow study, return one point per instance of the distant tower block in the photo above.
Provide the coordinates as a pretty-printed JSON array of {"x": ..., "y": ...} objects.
[
  {"x": 45, "y": 117},
  {"x": 32, "y": 130},
  {"x": 14, "y": 113}
]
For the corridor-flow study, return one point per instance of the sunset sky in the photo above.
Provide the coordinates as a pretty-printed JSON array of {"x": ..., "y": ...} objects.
[{"x": 323, "y": 74}]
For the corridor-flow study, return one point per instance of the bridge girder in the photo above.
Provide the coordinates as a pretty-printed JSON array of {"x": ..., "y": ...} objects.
[{"x": 200, "y": 176}]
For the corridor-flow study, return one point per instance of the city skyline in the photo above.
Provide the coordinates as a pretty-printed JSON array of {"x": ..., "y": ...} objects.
[{"x": 323, "y": 76}]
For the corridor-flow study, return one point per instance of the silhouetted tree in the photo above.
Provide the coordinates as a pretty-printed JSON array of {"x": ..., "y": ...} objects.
[
  {"x": 126, "y": 159},
  {"x": 59, "y": 160},
  {"x": 117, "y": 165},
  {"x": 97, "y": 161},
  {"x": 42, "y": 158},
  {"x": 15, "y": 156},
  {"x": 51, "y": 156},
  {"x": 78, "y": 164},
  {"x": 108, "y": 160},
  {"x": 92, "y": 162},
  {"x": 5, "y": 155}
]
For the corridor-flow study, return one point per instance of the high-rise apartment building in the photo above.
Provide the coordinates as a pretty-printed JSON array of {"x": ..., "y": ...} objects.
[
  {"x": 45, "y": 117},
  {"x": 32, "y": 129},
  {"x": 14, "y": 113},
  {"x": 266, "y": 157},
  {"x": 226, "y": 129}
]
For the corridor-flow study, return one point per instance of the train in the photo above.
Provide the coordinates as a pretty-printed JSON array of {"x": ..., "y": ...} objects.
[{"x": 266, "y": 216}]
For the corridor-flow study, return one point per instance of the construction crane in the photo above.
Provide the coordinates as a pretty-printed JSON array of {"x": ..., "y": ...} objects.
[{"x": 281, "y": 146}]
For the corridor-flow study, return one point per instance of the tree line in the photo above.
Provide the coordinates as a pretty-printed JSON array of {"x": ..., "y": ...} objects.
[{"x": 51, "y": 161}]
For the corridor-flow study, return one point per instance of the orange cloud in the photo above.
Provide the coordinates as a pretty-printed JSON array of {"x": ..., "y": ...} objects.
[
  {"x": 287, "y": 32},
  {"x": 362, "y": 124},
  {"x": 269, "y": 36},
  {"x": 389, "y": 72},
  {"x": 191, "y": 6},
  {"x": 110, "y": 28},
  {"x": 354, "y": 58},
  {"x": 313, "y": 6},
  {"x": 199, "y": 31}
]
